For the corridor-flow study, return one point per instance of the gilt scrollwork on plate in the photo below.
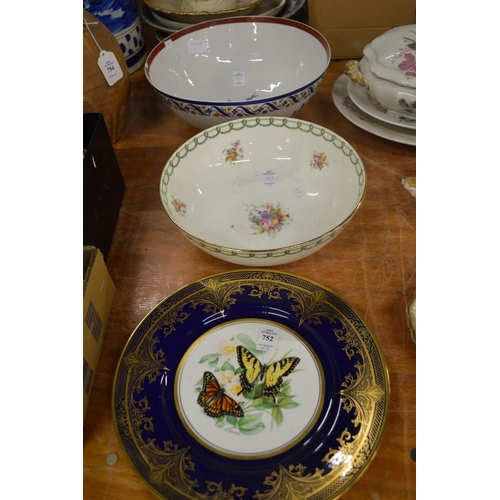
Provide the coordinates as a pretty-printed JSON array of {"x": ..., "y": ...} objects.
[{"x": 174, "y": 465}]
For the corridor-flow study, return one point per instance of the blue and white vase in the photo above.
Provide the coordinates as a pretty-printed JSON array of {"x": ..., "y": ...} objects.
[{"x": 122, "y": 18}]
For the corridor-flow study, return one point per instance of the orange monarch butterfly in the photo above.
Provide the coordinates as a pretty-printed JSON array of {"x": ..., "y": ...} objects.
[
  {"x": 215, "y": 401},
  {"x": 254, "y": 370}
]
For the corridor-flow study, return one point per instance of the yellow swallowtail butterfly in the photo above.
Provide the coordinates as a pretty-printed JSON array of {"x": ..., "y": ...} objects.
[{"x": 254, "y": 370}]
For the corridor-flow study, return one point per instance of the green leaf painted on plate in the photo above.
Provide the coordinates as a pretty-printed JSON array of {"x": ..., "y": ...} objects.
[
  {"x": 227, "y": 366},
  {"x": 250, "y": 421},
  {"x": 263, "y": 403},
  {"x": 259, "y": 390},
  {"x": 210, "y": 358},
  {"x": 231, "y": 420},
  {"x": 255, "y": 430},
  {"x": 288, "y": 403},
  {"x": 251, "y": 394},
  {"x": 277, "y": 414},
  {"x": 246, "y": 340}
]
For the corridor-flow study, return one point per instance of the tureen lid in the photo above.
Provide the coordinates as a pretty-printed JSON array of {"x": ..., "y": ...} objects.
[{"x": 393, "y": 55}]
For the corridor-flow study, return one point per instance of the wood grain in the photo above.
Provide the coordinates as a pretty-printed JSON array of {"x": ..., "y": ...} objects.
[{"x": 371, "y": 264}]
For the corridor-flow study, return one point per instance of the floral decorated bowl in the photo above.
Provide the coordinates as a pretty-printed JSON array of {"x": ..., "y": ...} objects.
[
  {"x": 388, "y": 70},
  {"x": 263, "y": 191},
  {"x": 225, "y": 69}
]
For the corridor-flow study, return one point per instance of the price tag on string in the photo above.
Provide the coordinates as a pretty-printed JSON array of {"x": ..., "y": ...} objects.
[
  {"x": 109, "y": 67},
  {"x": 107, "y": 61},
  {"x": 268, "y": 340}
]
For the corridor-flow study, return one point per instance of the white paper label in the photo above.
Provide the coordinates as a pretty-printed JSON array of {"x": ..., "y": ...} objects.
[
  {"x": 109, "y": 67},
  {"x": 298, "y": 191},
  {"x": 197, "y": 46},
  {"x": 268, "y": 340},
  {"x": 269, "y": 178},
  {"x": 169, "y": 44},
  {"x": 239, "y": 78}
]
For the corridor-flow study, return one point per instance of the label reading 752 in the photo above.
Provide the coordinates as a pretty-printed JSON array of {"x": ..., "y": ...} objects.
[{"x": 268, "y": 340}]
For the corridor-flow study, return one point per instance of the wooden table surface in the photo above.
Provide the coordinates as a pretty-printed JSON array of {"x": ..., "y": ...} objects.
[{"x": 371, "y": 264}]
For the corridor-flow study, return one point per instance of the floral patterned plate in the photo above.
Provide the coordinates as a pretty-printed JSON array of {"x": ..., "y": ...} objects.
[
  {"x": 346, "y": 106},
  {"x": 251, "y": 384},
  {"x": 370, "y": 106}
]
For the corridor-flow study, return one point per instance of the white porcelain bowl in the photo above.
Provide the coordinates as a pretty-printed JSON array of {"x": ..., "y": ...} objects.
[
  {"x": 225, "y": 69},
  {"x": 263, "y": 191}
]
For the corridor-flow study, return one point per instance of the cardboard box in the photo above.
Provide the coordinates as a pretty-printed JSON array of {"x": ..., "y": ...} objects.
[
  {"x": 350, "y": 26},
  {"x": 103, "y": 185},
  {"x": 98, "y": 294}
]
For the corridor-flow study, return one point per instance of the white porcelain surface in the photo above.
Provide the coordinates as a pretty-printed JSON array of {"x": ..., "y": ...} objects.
[
  {"x": 170, "y": 23},
  {"x": 388, "y": 70},
  {"x": 266, "y": 8},
  {"x": 308, "y": 385},
  {"x": 207, "y": 5},
  {"x": 196, "y": 11},
  {"x": 269, "y": 8},
  {"x": 224, "y": 69},
  {"x": 263, "y": 191},
  {"x": 165, "y": 27},
  {"x": 370, "y": 106},
  {"x": 346, "y": 106},
  {"x": 392, "y": 56}
]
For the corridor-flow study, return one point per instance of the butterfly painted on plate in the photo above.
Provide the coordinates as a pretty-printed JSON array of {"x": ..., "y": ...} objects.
[
  {"x": 254, "y": 370},
  {"x": 215, "y": 401}
]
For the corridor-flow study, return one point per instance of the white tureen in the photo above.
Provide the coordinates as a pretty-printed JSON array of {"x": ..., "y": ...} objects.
[{"x": 388, "y": 70}]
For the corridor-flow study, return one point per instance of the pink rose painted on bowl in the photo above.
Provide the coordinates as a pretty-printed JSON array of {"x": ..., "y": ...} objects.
[{"x": 268, "y": 218}]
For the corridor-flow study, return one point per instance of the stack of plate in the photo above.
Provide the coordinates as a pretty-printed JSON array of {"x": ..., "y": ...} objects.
[
  {"x": 363, "y": 110},
  {"x": 167, "y": 23}
]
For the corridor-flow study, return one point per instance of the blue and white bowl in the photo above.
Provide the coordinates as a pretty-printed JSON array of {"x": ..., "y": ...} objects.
[
  {"x": 239, "y": 67},
  {"x": 121, "y": 17}
]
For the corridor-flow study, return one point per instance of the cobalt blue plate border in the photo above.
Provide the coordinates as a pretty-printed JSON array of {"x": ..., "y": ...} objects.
[{"x": 332, "y": 455}]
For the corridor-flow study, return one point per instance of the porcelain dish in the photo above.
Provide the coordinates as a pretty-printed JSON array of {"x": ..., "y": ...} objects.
[
  {"x": 263, "y": 191},
  {"x": 358, "y": 117},
  {"x": 196, "y": 11},
  {"x": 388, "y": 70},
  {"x": 165, "y": 27},
  {"x": 247, "y": 66},
  {"x": 163, "y": 24},
  {"x": 195, "y": 423},
  {"x": 292, "y": 7},
  {"x": 370, "y": 106}
]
